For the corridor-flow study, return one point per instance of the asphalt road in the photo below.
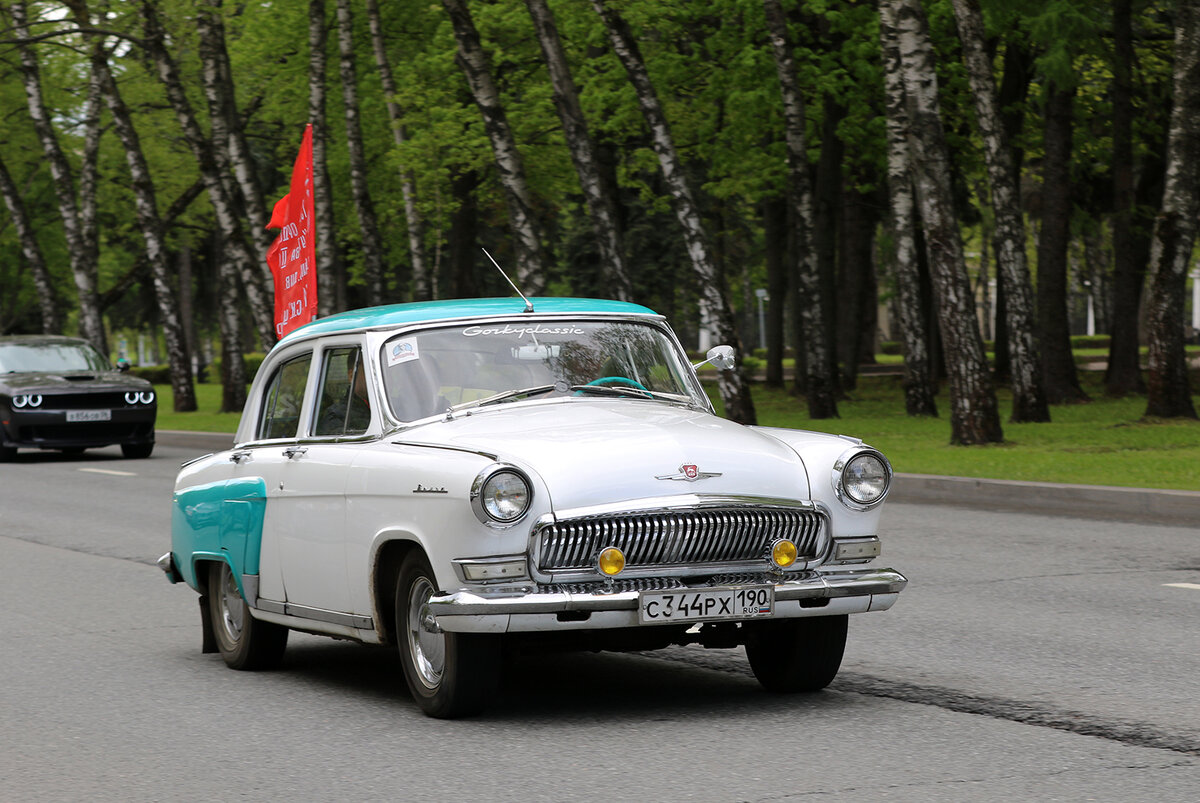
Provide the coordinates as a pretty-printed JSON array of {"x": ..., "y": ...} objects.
[{"x": 1031, "y": 658}]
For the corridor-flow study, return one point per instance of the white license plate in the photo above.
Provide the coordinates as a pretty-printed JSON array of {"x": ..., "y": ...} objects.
[
  {"x": 706, "y": 604},
  {"x": 89, "y": 415}
]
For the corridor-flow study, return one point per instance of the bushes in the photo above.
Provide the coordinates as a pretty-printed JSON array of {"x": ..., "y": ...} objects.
[{"x": 161, "y": 374}]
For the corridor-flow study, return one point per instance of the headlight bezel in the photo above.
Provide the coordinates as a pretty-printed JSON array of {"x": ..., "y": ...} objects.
[
  {"x": 843, "y": 483},
  {"x": 27, "y": 401},
  {"x": 481, "y": 496}
]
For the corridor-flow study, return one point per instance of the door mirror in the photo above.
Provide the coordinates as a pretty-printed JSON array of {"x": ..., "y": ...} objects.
[{"x": 723, "y": 358}]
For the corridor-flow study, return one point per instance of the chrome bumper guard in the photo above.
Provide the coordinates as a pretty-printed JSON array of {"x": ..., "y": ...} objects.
[{"x": 508, "y": 609}]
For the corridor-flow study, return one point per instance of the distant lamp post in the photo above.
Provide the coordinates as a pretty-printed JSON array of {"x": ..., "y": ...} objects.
[
  {"x": 1091, "y": 309},
  {"x": 1196, "y": 300},
  {"x": 762, "y": 318}
]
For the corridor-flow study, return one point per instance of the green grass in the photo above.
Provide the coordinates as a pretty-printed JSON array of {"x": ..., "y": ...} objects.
[{"x": 1103, "y": 442}]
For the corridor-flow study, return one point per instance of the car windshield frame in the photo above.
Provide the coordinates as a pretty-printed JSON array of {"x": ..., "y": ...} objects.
[
  {"x": 50, "y": 357},
  {"x": 446, "y": 368}
]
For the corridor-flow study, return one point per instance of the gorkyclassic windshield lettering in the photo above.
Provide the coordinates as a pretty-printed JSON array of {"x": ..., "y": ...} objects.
[{"x": 463, "y": 478}]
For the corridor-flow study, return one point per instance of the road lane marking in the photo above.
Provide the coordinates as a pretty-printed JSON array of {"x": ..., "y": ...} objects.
[
  {"x": 109, "y": 471},
  {"x": 1193, "y": 586}
]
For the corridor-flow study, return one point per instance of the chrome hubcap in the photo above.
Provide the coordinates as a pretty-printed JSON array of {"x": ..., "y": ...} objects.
[
  {"x": 426, "y": 642},
  {"x": 231, "y": 607}
]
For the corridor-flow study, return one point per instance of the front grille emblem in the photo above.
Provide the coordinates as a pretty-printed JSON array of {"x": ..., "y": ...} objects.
[{"x": 689, "y": 472}]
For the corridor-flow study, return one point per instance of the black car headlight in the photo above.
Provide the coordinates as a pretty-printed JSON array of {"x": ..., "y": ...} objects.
[
  {"x": 139, "y": 397},
  {"x": 501, "y": 495},
  {"x": 27, "y": 400},
  {"x": 861, "y": 478}
]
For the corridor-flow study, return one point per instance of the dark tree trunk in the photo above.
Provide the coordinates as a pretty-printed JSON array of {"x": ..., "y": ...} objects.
[
  {"x": 331, "y": 279},
  {"x": 81, "y": 251},
  {"x": 919, "y": 387},
  {"x": 820, "y": 387},
  {"x": 1029, "y": 397},
  {"x": 776, "y": 245},
  {"x": 424, "y": 285},
  {"x": 1058, "y": 363},
  {"x": 856, "y": 284},
  {"x": 1167, "y": 390},
  {"x": 372, "y": 241},
  {"x": 1124, "y": 374},
  {"x": 715, "y": 309},
  {"x": 601, "y": 205},
  {"x": 974, "y": 418},
  {"x": 532, "y": 264},
  {"x": 463, "y": 236},
  {"x": 32, "y": 252},
  {"x": 225, "y": 210},
  {"x": 146, "y": 208},
  {"x": 233, "y": 362}
]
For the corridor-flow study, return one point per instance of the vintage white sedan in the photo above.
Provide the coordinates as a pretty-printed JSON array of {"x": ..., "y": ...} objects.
[{"x": 458, "y": 477}]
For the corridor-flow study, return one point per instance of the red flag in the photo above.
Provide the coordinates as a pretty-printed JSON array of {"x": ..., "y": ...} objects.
[{"x": 293, "y": 255}]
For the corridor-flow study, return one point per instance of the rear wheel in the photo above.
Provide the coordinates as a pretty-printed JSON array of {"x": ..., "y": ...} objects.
[
  {"x": 450, "y": 675},
  {"x": 796, "y": 655},
  {"x": 137, "y": 450},
  {"x": 244, "y": 642},
  {"x": 8, "y": 454}
]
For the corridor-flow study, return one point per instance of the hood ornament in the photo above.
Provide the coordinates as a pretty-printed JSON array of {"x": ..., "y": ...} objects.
[{"x": 689, "y": 472}]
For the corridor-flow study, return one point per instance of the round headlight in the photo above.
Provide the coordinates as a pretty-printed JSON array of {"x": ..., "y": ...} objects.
[
  {"x": 611, "y": 561},
  {"x": 865, "y": 478},
  {"x": 146, "y": 397},
  {"x": 131, "y": 397},
  {"x": 505, "y": 496},
  {"x": 20, "y": 401}
]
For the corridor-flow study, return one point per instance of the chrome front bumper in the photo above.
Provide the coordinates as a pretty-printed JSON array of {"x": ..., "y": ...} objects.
[{"x": 510, "y": 610}]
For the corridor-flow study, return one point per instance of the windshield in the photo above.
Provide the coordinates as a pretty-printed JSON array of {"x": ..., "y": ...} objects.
[
  {"x": 50, "y": 358},
  {"x": 426, "y": 373}
]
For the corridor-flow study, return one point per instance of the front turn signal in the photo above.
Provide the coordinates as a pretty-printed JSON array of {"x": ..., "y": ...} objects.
[
  {"x": 783, "y": 553},
  {"x": 611, "y": 561}
]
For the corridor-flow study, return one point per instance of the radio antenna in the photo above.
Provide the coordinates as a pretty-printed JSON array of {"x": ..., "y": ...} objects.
[{"x": 528, "y": 303}]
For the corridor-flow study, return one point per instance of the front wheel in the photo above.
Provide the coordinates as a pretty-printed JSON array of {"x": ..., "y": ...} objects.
[
  {"x": 8, "y": 454},
  {"x": 796, "y": 655},
  {"x": 137, "y": 451},
  {"x": 244, "y": 642},
  {"x": 450, "y": 675}
]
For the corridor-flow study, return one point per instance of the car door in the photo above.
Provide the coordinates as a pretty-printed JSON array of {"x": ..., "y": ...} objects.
[{"x": 309, "y": 502}]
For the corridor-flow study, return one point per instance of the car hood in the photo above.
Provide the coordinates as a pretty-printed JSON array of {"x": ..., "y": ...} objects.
[
  {"x": 70, "y": 382},
  {"x": 592, "y": 452}
]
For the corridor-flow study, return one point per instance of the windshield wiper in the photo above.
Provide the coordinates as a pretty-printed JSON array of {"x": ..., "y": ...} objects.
[
  {"x": 502, "y": 396},
  {"x": 626, "y": 390}
]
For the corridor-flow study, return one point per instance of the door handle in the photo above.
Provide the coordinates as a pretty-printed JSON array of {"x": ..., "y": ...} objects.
[
  {"x": 292, "y": 452},
  {"x": 238, "y": 457}
]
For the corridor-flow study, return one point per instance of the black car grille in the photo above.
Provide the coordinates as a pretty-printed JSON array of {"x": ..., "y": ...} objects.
[
  {"x": 714, "y": 535},
  {"x": 98, "y": 431},
  {"x": 85, "y": 401}
]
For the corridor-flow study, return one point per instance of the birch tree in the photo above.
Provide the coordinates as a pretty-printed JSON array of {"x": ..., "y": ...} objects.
[
  {"x": 919, "y": 388},
  {"x": 532, "y": 265},
  {"x": 149, "y": 222},
  {"x": 1168, "y": 394},
  {"x": 78, "y": 224},
  {"x": 368, "y": 223},
  {"x": 1029, "y": 397},
  {"x": 423, "y": 284},
  {"x": 31, "y": 250},
  {"x": 974, "y": 418},
  {"x": 819, "y": 385},
  {"x": 715, "y": 308},
  {"x": 331, "y": 283},
  {"x": 601, "y": 205}
]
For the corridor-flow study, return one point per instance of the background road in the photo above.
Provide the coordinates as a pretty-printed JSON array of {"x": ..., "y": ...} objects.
[{"x": 1031, "y": 657}]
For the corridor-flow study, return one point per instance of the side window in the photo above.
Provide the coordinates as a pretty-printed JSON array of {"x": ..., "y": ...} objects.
[
  {"x": 280, "y": 412},
  {"x": 343, "y": 403}
]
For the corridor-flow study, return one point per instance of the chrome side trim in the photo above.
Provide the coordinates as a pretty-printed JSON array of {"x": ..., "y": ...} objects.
[
  {"x": 462, "y": 449},
  {"x": 316, "y": 614}
]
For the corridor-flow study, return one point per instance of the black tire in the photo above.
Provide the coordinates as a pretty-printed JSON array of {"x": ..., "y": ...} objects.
[
  {"x": 243, "y": 641},
  {"x": 450, "y": 675},
  {"x": 8, "y": 454},
  {"x": 137, "y": 451},
  {"x": 796, "y": 655}
]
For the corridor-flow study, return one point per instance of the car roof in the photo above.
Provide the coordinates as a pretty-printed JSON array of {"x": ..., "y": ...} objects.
[
  {"x": 33, "y": 340},
  {"x": 395, "y": 315}
]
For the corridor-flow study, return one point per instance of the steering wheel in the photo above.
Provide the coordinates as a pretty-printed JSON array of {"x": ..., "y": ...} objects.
[{"x": 619, "y": 381}]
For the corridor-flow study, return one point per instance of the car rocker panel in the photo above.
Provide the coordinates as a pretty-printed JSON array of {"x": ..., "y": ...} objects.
[{"x": 435, "y": 475}]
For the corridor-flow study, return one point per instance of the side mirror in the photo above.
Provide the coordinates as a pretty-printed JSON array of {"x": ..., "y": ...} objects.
[
  {"x": 123, "y": 365},
  {"x": 723, "y": 358}
]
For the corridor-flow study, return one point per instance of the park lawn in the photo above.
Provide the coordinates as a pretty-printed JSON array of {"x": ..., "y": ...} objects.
[{"x": 1103, "y": 442}]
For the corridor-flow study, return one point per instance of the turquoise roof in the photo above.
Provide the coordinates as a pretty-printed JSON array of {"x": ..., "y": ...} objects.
[{"x": 448, "y": 309}]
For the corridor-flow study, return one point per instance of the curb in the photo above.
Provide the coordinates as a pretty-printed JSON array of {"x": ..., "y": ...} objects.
[{"x": 1141, "y": 505}]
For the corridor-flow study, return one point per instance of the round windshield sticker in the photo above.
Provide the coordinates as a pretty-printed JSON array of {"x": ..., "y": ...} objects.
[{"x": 401, "y": 351}]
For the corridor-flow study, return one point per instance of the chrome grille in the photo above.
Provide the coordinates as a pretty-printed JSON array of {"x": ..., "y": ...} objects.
[{"x": 718, "y": 535}]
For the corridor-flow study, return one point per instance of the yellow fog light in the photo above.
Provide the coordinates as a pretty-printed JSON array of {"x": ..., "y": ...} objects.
[
  {"x": 611, "y": 561},
  {"x": 783, "y": 553}
]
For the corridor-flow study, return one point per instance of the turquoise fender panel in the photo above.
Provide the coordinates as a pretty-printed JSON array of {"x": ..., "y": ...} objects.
[{"x": 222, "y": 521}]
